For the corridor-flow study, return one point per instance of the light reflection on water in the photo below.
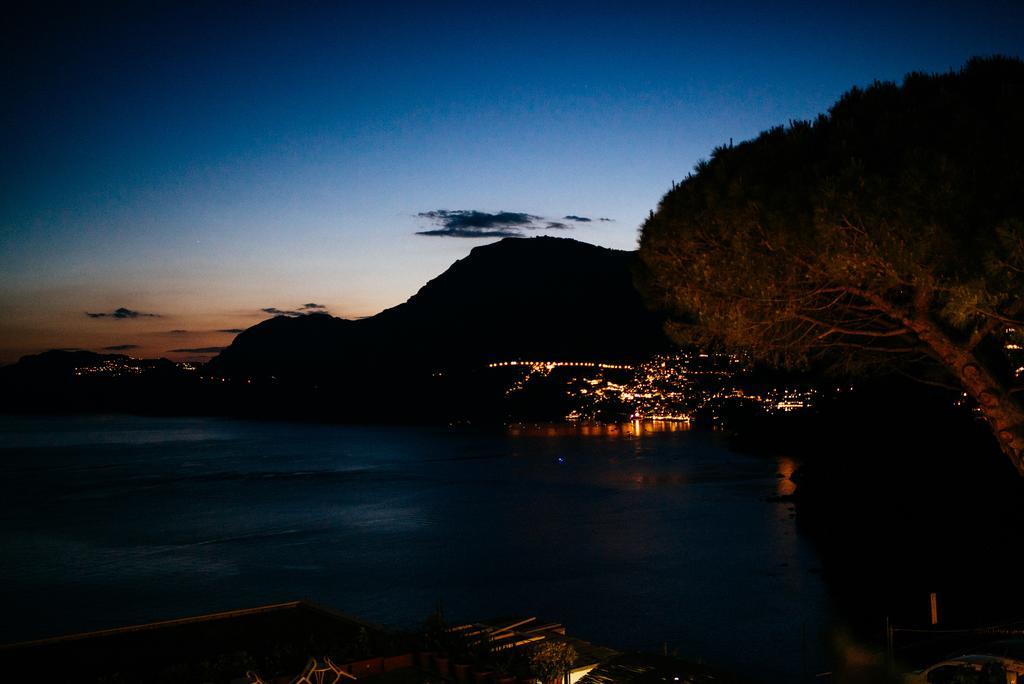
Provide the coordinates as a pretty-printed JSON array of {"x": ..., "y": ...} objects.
[
  {"x": 636, "y": 428},
  {"x": 633, "y": 535},
  {"x": 786, "y": 467}
]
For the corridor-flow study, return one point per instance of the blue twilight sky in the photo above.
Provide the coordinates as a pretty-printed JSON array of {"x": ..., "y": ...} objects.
[{"x": 205, "y": 161}]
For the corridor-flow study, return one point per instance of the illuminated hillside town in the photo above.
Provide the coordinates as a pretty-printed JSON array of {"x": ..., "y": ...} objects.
[
  {"x": 681, "y": 387},
  {"x": 676, "y": 387},
  {"x": 125, "y": 366},
  {"x": 691, "y": 387},
  {"x": 1015, "y": 351}
]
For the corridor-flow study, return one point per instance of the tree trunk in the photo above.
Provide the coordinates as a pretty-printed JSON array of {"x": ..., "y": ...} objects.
[{"x": 1003, "y": 413}]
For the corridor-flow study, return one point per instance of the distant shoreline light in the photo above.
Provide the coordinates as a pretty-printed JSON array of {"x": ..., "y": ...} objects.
[{"x": 555, "y": 364}]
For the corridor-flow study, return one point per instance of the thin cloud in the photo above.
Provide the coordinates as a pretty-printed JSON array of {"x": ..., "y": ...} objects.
[
  {"x": 178, "y": 332},
  {"x": 472, "y": 220},
  {"x": 473, "y": 223},
  {"x": 470, "y": 233},
  {"x": 232, "y": 331},
  {"x": 198, "y": 350},
  {"x": 303, "y": 310},
  {"x": 577, "y": 219},
  {"x": 121, "y": 347},
  {"x": 122, "y": 313}
]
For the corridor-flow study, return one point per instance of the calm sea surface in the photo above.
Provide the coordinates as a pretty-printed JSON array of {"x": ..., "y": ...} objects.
[{"x": 631, "y": 540}]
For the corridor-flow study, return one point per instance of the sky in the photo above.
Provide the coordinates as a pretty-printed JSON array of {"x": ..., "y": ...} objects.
[{"x": 175, "y": 172}]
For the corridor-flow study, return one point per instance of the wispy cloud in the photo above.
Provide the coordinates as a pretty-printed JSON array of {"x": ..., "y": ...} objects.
[
  {"x": 473, "y": 223},
  {"x": 121, "y": 347},
  {"x": 292, "y": 313},
  {"x": 198, "y": 350},
  {"x": 577, "y": 219},
  {"x": 122, "y": 313},
  {"x": 232, "y": 331}
]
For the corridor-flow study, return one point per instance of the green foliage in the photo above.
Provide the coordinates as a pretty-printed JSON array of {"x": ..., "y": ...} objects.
[
  {"x": 814, "y": 240},
  {"x": 551, "y": 659}
]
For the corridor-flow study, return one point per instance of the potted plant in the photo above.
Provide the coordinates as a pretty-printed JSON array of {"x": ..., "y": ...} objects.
[
  {"x": 461, "y": 672},
  {"x": 458, "y": 648},
  {"x": 435, "y": 632},
  {"x": 503, "y": 662},
  {"x": 483, "y": 655}
]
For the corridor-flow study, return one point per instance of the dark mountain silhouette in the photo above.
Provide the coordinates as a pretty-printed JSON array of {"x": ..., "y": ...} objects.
[
  {"x": 537, "y": 298},
  {"x": 530, "y": 299}
]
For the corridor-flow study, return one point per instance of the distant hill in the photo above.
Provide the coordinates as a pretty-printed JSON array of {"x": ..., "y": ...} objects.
[
  {"x": 63, "y": 364},
  {"x": 518, "y": 298},
  {"x": 532, "y": 299},
  {"x": 84, "y": 381},
  {"x": 58, "y": 362}
]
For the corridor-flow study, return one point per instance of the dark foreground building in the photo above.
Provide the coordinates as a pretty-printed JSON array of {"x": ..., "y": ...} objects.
[
  {"x": 295, "y": 643},
  {"x": 275, "y": 640}
]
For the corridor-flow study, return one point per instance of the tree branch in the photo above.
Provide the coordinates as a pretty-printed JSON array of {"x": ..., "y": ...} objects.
[
  {"x": 981, "y": 333},
  {"x": 836, "y": 329},
  {"x": 874, "y": 348},
  {"x": 933, "y": 383}
]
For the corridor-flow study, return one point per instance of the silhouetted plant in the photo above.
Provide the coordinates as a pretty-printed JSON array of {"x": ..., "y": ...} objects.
[
  {"x": 361, "y": 645},
  {"x": 551, "y": 659},
  {"x": 888, "y": 232},
  {"x": 482, "y": 650},
  {"x": 503, "y": 662},
  {"x": 435, "y": 630}
]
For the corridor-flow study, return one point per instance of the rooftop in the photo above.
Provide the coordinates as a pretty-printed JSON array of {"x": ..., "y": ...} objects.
[{"x": 214, "y": 647}]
